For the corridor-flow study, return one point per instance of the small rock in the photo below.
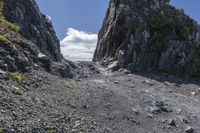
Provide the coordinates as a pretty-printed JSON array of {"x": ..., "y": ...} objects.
[
  {"x": 136, "y": 111},
  {"x": 167, "y": 83},
  {"x": 193, "y": 93},
  {"x": 172, "y": 122},
  {"x": 108, "y": 105},
  {"x": 77, "y": 124},
  {"x": 189, "y": 130},
  {"x": 150, "y": 115},
  {"x": 113, "y": 66},
  {"x": 74, "y": 130},
  {"x": 2, "y": 72},
  {"x": 179, "y": 111},
  {"x": 146, "y": 81},
  {"x": 177, "y": 85},
  {"x": 42, "y": 56},
  {"x": 185, "y": 121},
  {"x": 116, "y": 82},
  {"x": 154, "y": 109}
]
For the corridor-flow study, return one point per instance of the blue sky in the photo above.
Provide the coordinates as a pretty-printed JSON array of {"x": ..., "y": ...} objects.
[
  {"x": 82, "y": 19},
  {"x": 86, "y": 15}
]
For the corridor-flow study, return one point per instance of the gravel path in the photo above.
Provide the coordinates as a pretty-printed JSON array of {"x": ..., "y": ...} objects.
[{"x": 100, "y": 102}]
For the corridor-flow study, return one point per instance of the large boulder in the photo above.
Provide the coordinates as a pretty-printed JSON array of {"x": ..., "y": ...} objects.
[{"x": 149, "y": 35}]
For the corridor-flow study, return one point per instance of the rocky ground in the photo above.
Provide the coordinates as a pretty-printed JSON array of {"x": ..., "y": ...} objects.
[{"x": 98, "y": 101}]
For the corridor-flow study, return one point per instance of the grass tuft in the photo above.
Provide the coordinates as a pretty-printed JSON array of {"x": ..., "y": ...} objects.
[
  {"x": 17, "y": 76},
  {"x": 4, "y": 39}
]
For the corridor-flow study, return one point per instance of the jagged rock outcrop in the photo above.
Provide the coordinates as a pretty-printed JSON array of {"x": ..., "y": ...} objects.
[
  {"x": 35, "y": 26},
  {"x": 149, "y": 35},
  {"x": 28, "y": 40}
]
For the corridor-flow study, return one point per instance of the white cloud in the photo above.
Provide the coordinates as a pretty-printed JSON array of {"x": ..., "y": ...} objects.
[{"x": 78, "y": 45}]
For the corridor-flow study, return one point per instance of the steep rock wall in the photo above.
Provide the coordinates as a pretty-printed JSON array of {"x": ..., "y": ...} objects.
[{"x": 149, "y": 35}]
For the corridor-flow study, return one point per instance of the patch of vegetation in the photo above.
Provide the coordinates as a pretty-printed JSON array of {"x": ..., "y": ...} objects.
[
  {"x": 17, "y": 91},
  {"x": 50, "y": 131},
  {"x": 1, "y": 8},
  {"x": 2, "y": 130},
  {"x": 4, "y": 22},
  {"x": 175, "y": 24},
  {"x": 122, "y": 6},
  {"x": 4, "y": 39},
  {"x": 17, "y": 76}
]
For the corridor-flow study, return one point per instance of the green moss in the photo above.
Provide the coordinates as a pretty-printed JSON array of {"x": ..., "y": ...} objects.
[
  {"x": 4, "y": 39},
  {"x": 17, "y": 76}
]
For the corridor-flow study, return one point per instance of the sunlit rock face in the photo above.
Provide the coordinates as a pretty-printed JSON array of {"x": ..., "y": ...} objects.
[
  {"x": 149, "y": 35},
  {"x": 35, "y": 26}
]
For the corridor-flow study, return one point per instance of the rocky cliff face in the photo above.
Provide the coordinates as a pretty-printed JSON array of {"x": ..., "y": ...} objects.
[
  {"x": 149, "y": 35},
  {"x": 28, "y": 40},
  {"x": 35, "y": 26}
]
